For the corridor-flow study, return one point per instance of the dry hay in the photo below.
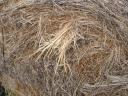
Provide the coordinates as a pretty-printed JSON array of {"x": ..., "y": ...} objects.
[{"x": 65, "y": 48}]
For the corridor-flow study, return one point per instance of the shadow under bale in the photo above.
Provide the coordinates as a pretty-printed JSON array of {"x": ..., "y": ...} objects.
[
  {"x": 2, "y": 90},
  {"x": 65, "y": 48}
]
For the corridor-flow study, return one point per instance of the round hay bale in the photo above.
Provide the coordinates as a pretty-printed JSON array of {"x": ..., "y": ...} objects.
[{"x": 65, "y": 48}]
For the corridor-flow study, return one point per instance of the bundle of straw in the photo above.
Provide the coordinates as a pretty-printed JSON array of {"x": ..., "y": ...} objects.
[{"x": 64, "y": 47}]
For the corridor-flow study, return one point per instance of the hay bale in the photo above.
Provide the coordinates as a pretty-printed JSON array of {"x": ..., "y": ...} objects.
[{"x": 65, "y": 48}]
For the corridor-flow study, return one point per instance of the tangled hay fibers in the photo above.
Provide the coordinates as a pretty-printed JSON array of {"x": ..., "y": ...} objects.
[{"x": 64, "y": 47}]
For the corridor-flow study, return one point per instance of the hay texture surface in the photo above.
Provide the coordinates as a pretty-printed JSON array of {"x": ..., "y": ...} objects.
[{"x": 64, "y": 47}]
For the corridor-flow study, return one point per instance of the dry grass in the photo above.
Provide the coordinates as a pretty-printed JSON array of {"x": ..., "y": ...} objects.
[{"x": 64, "y": 48}]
